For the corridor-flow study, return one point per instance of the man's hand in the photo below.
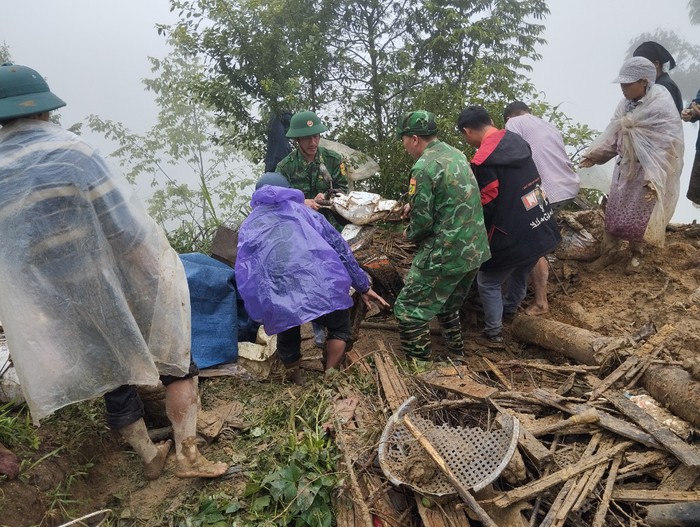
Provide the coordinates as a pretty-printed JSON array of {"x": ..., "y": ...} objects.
[
  {"x": 311, "y": 203},
  {"x": 406, "y": 211},
  {"x": 371, "y": 296},
  {"x": 586, "y": 163}
]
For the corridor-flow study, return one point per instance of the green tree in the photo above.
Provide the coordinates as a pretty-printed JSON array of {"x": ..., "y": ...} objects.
[
  {"x": 259, "y": 58},
  {"x": 196, "y": 179},
  {"x": 360, "y": 64}
]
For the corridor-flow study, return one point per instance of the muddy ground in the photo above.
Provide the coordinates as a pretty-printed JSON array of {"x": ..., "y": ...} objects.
[{"x": 81, "y": 467}]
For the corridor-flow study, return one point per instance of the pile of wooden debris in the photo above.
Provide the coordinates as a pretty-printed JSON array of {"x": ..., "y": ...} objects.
[{"x": 590, "y": 452}]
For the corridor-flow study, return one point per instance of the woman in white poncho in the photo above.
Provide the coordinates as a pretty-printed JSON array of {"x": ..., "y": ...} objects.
[{"x": 647, "y": 136}]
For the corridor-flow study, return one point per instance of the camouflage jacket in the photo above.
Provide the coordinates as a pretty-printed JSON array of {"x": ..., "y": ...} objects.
[
  {"x": 307, "y": 177},
  {"x": 446, "y": 219}
]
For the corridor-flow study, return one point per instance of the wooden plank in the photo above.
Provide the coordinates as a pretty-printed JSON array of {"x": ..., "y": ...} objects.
[
  {"x": 611, "y": 379},
  {"x": 683, "y": 478},
  {"x": 542, "y": 484},
  {"x": 456, "y": 379},
  {"x": 394, "y": 388},
  {"x": 536, "y": 452},
  {"x": 687, "y": 454},
  {"x": 569, "y": 491},
  {"x": 604, "y": 505},
  {"x": 655, "y": 496},
  {"x": 607, "y": 421}
]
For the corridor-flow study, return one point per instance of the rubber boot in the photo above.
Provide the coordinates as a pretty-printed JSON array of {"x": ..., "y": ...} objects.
[
  {"x": 153, "y": 456},
  {"x": 415, "y": 339},
  {"x": 181, "y": 405},
  {"x": 294, "y": 373},
  {"x": 451, "y": 329}
]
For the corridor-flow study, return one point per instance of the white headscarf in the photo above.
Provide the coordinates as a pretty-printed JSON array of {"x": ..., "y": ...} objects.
[{"x": 635, "y": 69}]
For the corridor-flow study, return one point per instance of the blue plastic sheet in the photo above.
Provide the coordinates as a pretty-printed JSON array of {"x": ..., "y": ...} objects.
[{"x": 214, "y": 315}]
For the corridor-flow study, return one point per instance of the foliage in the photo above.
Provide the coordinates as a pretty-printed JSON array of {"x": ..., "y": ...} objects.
[
  {"x": 359, "y": 63},
  {"x": 289, "y": 458},
  {"x": 196, "y": 179},
  {"x": 16, "y": 427}
]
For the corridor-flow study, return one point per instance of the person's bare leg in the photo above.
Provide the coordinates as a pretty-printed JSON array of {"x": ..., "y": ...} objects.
[
  {"x": 335, "y": 351},
  {"x": 540, "y": 275},
  {"x": 152, "y": 455},
  {"x": 181, "y": 406}
]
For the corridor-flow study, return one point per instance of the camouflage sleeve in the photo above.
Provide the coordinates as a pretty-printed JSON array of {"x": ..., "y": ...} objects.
[{"x": 422, "y": 205}]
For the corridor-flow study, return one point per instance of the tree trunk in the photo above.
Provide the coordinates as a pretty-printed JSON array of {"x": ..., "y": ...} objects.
[
  {"x": 575, "y": 343},
  {"x": 674, "y": 388}
]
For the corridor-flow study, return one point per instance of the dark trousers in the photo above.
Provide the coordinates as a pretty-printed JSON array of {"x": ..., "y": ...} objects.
[
  {"x": 289, "y": 341},
  {"x": 123, "y": 405}
]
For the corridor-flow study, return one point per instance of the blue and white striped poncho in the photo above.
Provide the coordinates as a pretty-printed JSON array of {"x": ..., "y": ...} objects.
[{"x": 92, "y": 296}]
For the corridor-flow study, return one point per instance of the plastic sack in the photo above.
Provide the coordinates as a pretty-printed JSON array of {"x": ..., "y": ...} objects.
[
  {"x": 577, "y": 245},
  {"x": 92, "y": 296},
  {"x": 286, "y": 271},
  {"x": 213, "y": 304},
  {"x": 359, "y": 166},
  {"x": 361, "y": 208}
]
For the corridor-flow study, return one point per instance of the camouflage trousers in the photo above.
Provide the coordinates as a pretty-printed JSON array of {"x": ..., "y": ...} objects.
[{"x": 427, "y": 294}]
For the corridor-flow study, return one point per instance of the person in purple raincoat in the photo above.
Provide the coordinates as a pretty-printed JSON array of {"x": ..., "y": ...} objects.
[{"x": 294, "y": 267}]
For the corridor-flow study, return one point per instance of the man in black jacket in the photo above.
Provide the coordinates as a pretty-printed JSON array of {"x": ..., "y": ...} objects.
[{"x": 518, "y": 217}]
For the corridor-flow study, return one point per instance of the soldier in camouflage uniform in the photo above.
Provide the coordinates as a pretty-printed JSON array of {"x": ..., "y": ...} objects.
[
  {"x": 303, "y": 167},
  {"x": 447, "y": 222}
]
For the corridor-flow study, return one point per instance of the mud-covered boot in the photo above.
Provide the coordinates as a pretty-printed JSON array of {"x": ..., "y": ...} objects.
[
  {"x": 294, "y": 373},
  {"x": 451, "y": 329},
  {"x": 190, "y": 463},
  {"x": 415, "y": 339}
]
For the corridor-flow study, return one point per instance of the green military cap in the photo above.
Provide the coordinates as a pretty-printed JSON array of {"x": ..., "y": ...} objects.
[
  {"x": 305, "y": 124},
  {"x": 23, "y": 92},
  {"x": 419, "y": 122}
]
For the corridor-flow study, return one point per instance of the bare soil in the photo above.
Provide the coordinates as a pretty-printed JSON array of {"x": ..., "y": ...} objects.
[{"x": 93, "y": 469}]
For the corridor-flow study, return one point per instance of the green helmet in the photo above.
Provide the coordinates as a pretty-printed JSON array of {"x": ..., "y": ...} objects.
[
  {"x": 304, "y": 124},
  {"x": 419, "y": 122},
  {"x": 24, "y": 92}
]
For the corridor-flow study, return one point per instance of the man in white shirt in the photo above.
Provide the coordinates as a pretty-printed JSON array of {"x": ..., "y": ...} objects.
[{"x": 559, "y": 181}]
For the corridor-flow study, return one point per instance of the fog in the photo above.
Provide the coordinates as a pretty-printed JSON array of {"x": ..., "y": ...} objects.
[{"x": 94, "y": 55}]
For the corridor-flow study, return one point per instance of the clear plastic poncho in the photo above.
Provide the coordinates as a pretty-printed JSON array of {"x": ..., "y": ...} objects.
[
  {"x": 92, "y": 296},
  {"x": 649, "y": 141}
]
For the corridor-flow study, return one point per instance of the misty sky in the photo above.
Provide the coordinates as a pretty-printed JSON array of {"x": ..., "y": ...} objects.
[{"x": 93, "y": 54}]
